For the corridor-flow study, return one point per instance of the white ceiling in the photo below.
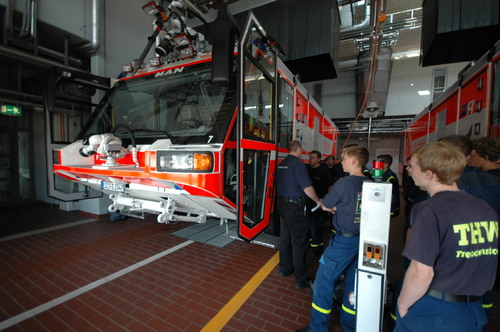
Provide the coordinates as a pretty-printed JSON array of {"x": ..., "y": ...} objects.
[
  {"x": 400, "y": 11},
  {"x": 406, "y": 17}
]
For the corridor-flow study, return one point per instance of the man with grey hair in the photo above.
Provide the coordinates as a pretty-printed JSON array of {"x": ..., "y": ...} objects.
[{"x": 293, "y": 186}]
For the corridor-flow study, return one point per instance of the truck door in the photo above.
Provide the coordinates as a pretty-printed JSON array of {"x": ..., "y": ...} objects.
[{"x": 256, "y": 130}]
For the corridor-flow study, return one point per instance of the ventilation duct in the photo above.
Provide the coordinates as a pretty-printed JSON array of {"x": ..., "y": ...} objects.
[
  {"x": 354, "y": 28},
  {"x": 29, "y": 19},
  {"x": 372, "y": 87},
  {"x": 379, "y": 88},
  {"x": 94, "y": 43}
]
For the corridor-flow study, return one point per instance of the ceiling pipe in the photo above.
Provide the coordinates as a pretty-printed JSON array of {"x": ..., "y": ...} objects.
[
  {"x": 24, "y": 24},
  {"x": 37, "y": 60},
  {"x": 10, "y": 16},
  {"x": 64, "y": 102},
  {"x": 20, "y": 95},
  {"x": 360, "y": 26},
  {"x": 374, "y": 10},
  {"x": 41, "y": 50},
  {"x": 94, "y": 44},
  {"x": 33, "y": 19}
]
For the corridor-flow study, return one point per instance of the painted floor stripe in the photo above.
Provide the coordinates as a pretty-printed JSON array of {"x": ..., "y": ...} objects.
[
  {"x": 46, "y": 229},
  {"x": 226, "y": 313},
  {"x": 49, "y": 305}
]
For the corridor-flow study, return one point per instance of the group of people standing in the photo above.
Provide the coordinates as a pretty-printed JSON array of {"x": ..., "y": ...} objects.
[
  {"x": 452, "y": 242},
  {"x": 295, "y": 184}
]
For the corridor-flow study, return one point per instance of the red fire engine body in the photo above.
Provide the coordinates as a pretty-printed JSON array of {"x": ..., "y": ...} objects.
[
  {"x": 167, "y": 140},
  {"x": 471, "y": 106}
]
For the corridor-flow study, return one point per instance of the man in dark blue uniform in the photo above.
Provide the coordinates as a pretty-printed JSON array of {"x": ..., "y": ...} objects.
[
  {"x": 293, "y": 186},
  {"x": 453, "y": 248},
  {"x": 322, "y": 182},
  {"x": 485, "y": 155},
  {"x": 330, "y": 164},
  {"x": 479, "y": 184},
  {"x": 391, "y": 177}
]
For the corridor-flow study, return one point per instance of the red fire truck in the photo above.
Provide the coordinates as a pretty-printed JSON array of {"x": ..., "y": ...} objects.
[
  {"x": 471, "y": 106},
  {"x": 170, "y": 140}
]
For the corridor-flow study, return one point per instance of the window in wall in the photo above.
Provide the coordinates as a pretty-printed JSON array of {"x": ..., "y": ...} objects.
[{"x": 439, "y": 82}]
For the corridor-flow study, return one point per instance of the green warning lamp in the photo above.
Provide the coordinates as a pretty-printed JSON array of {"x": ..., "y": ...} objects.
[{"x": 378, "y": 170}]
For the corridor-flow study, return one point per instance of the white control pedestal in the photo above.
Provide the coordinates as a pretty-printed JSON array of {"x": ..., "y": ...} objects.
[{"x": 371, "y": 280}]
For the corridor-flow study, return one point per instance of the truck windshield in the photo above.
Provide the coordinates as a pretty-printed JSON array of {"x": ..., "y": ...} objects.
[{"x": 180, "y": 105}]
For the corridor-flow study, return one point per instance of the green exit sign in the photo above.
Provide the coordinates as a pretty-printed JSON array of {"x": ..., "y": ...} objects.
[{"x": 10, "y": 110}]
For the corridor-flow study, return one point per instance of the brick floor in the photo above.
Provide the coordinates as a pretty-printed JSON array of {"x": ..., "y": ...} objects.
[{"x": 181, "y": 291}]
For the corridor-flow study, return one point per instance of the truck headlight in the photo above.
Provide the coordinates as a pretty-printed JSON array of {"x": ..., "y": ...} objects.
[{"x": 184, "y": 161}]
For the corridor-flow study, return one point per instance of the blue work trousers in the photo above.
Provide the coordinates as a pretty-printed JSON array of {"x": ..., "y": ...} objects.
[
  {"x": 430, "y": 314},
  {"x": 340, "y": 256}
]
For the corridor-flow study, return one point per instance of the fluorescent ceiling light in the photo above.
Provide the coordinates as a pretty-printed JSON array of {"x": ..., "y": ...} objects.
[
  {"x": 413, "y": 54},
  {"x": 424, "y": 92},
  {"x": 406, "y": 54}
]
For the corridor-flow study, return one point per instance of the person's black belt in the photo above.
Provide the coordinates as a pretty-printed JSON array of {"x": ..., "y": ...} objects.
[
  {"x": 292, "y": 200},
  {"x": 453, "y": 298},
  {"x": 344, "y": 234}
]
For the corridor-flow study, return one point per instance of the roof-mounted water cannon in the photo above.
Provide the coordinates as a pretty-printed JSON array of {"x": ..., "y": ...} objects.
[
  {"x": 151, "y": 8},
  {"x": 179, "y": 42}
]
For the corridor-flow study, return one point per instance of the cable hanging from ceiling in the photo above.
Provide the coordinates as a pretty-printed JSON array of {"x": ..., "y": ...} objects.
[{"x": 379, "y": 18}]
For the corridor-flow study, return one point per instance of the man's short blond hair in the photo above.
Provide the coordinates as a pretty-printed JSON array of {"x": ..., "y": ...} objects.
[{"x": 444, "y": 160}]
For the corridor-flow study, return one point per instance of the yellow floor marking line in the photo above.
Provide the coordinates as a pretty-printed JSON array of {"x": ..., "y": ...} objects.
[{"x": 226, "y": 313}]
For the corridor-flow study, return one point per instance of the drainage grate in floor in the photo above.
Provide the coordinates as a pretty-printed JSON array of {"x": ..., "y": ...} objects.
[{"x": 211, "y": 232}]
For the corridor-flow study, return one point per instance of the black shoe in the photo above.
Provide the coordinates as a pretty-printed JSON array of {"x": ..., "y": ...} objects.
[
  {"x": 304, "y": 329},
  {"x": 285, "y": 274},
  {"x": 303, "y": 284}
]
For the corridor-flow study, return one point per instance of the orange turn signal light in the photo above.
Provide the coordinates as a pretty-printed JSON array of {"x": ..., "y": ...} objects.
[{"x": 202, "y": 161}]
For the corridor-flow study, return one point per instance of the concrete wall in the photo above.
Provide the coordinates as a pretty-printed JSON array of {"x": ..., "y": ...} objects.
[
  {"x": 68, "y": 15},
  {"x": 126, "y": 32},
  {"x": 407, "y": 78}
]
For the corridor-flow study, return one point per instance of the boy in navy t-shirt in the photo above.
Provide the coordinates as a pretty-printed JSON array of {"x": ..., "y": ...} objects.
[
  {"x": 453, "y": 248},
  {"x": 341, "y": 255}
]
